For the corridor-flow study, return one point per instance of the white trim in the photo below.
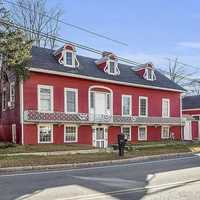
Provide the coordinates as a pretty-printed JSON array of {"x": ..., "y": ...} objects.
[
  {"x": 168, "y": 102},
  {"x": 14, "y": 133},
  {"x": 102, "y": 80},
  {"x": 101, "y": 87},
  {"x": 192, "y": 109},
  {"x": 145, "y": 139},
  {"x": 122, "y": 103},
  {"x": 76, "y": 99},
  {"x": 51, "y": 97},
  {"x": 162, "y": 137},
  {"x": 73, "y": 58},
  {"x": 146, "y": 74},
  {"x": 21, "y": 96},
  {"x": 146, "y": 98},
  {"x": 4, "y": 96},
  {"x": 38, "y": 133},
  {"x": 116, "y": 69},
  {"x": 71, "y": 125},
  {"x": 130, "y": 128}
]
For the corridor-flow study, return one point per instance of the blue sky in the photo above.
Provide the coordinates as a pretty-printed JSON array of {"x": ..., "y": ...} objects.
[{"x": 153, "y": 29}]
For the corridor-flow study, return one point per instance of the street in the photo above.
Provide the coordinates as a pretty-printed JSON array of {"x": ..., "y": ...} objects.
[{"x": 175, "y": 178}]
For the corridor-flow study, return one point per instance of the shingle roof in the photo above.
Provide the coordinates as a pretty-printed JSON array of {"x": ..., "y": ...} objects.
[
  {"x": 43, "y": 58},
  {"x": 191, "y": 102}
]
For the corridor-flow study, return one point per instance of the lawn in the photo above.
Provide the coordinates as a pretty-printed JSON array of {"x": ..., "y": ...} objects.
[
  {"x": 12, "y": 161},
  {"x": 7, "y": 148}
]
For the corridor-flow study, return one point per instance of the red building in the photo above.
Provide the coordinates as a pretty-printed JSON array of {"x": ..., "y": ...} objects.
[
  {"x": 75, "y": 99},
  {"x": 191, "y": 111}
]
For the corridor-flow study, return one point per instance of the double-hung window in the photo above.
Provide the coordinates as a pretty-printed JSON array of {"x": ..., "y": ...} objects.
[
  {"x": 112, "y": 67},
  {"x": 126, "y": 105},
  {"x": 126, "y": 130},
  {"x": 71, "y": 100},
  {"x": 45, "y": 98},
  {"x": 142, "y": 133},
  {"x": 70, "y": 133},
  {"x": 143, "y": 106},
  {"x": 12, "y": 93},
  {"x": 165, "y": 132},
  {"x": 69, "y": 58},
  {"x": 165, "y": 107},
  {"x": 45, "y": 133}
]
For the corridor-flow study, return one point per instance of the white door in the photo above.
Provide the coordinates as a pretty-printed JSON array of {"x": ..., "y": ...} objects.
[
  {"x": 100, "y": 137},
  {"x": 187, "y": 131},
  {"x": 100, "y": 103}
]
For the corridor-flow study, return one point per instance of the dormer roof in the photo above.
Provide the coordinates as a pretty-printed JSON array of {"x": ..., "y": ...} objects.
[{"x": 43, "y": 60}]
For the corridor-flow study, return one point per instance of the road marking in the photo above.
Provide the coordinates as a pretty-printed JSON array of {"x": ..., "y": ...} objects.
[
  {"x": 99, "y": 167},
  {"x": 125, "y": 191}
]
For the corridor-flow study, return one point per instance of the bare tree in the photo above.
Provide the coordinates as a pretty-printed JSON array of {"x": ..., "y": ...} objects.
[{"x": 32, "y": 14}]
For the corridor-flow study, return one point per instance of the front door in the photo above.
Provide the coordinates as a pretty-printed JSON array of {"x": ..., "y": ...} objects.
[
  {"x": 187, "y": 130},
  {"x": 100, "y": 137}
]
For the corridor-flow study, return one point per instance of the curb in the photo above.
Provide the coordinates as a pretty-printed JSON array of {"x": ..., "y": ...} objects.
[{"x": 92, "y": 164}]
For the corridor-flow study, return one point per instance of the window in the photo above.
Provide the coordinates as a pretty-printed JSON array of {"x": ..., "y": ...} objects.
[
  {"x": 4, "y": 99},
  {"x": 69, "y": 59},
  {"x": 165, "y": 132},
  {"x": 12, "y": 93},
  {"x": 126, "y": 105},
  {"x": 45, "y": 133},
  {"x": 91, "y": 99},
  {"x": 149, "y": 74},
  {"x": 71, "y": 100},
  {"x": 196, "y": 117},
  {"x": 112, "y": 67},
  {"x": 165, "y": 107},
  {"x": 108, "y": 101},
  {"x": 142, "y": 133},
  {"x": 45, "y": 98},
  {"x": 70, "y": 134},
  {"x": 127, "y": 132},
  {"x": 143, "y": 106}
]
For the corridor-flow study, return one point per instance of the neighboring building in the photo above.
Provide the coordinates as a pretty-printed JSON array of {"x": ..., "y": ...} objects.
[
  {"x": 76, "y": 99},
  {"x": 191, "y": 111}
]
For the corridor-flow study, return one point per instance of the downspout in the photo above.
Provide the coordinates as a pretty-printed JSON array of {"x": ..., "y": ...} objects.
[
  {"x": 181, "y": 116},
  {"x": 22, "y": 111}
]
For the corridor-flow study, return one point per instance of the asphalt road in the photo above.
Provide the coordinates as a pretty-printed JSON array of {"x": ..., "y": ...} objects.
[{"x": 177, "y": 178}]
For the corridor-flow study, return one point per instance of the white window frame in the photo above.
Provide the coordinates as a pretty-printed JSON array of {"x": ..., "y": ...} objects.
[
  {"x": 162, "y": 131},
  {"x": 130, "y": 128},
  {"x": 4, "y": 96},
  {"x": 73, "y": 58},
  {"x": 38, "y": 132},
  {"x": 76, "y": 100},
  {"x": 76, "y": 128},
  {"x": 146, "y": 74},
  {"x": 168, "y": 101},
  {"x": 51, "y": 99},
  {"x": 130, "y": 108},
  {"x": 146, "y": 98},
  {"x": 110, "y": 67},
  {"x": 140, "y": 139},
  {"x": 12, "y": 84}
]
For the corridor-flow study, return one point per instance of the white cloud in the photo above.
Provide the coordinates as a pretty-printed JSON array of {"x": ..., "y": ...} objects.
[{"x": 193, "y": 45}]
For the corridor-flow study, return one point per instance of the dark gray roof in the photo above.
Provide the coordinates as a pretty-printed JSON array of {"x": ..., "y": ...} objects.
[
  {"x": 191, "y": 102},
  {"x": 43, "y": 58}
]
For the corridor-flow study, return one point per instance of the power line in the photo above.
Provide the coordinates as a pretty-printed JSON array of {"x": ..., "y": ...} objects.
[
  {"x": 184, "y": 64},
  {"x": 61, "y": 40},
  {"x": 69, "y": 24}
]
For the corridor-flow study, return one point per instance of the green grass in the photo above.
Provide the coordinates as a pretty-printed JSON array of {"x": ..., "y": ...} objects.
[
  {"x": 12, "y": 161},
  {"x": 7, "y": 148}
]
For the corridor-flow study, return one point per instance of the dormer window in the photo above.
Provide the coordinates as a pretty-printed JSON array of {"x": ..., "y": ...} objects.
[
  {"x": 67, "y": 56},
  {"x": 149, "y": 74},
  {"x": 111, "y": 68},
  {"x": 69, "y": 59}
]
